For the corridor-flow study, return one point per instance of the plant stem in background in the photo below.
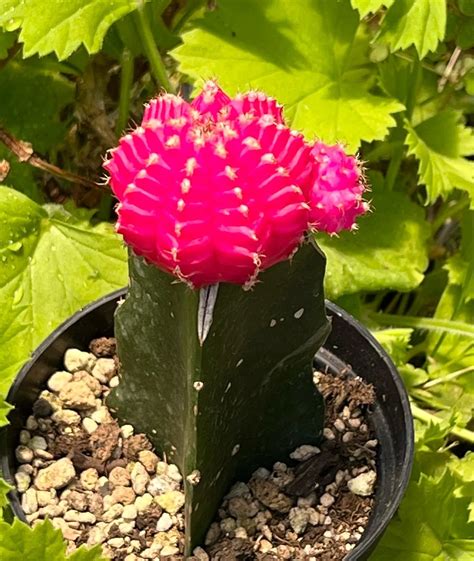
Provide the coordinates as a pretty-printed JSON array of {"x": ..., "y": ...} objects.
[
  {"x": 431, "y": 324},
  {"x": 426, "y": 417},
  {"x": 158, "y": 69},
  {"x": 25, "y": 153},
  {"x": 126, "y": 82}
]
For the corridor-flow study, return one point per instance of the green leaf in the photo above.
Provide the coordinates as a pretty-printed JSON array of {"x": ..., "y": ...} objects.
[
  {"x": 5, "y": 408},
  {"x": 249, "y": 381},
  {"x": 461, "y": 266},
  {"x": 432, "y": 524},
  {"x": 6, "y": 41},
  {"x": 307, "y": 54},
  {"x": 439, "y": 144},
  {"x": 31, "y": 99},
  {"x": 466, "y": 7},
  {"x": 386, "y": 252},
  {"x": 41, "y": 543},
  {"x": 370, "y": 6},
  {"x": 5, "y": 488},
  {"x": 421, "y": 23},
  {"x": 61, "y": 27},
  {"x": 51, "y": 264}
]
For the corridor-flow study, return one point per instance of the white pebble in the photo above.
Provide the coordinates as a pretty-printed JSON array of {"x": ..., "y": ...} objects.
[
  {"x": 25, "y": 437},
  {"x": 363, "y": 484},
  {"x": 31, "y": 423},
  {"x": 304, "y": 452},
  {"x": 347, "y": 436},
  {"x": 76, "y": 360},
  {"x": 24, "y": 455},
  {"x": 89, "y": 425},
  {"x": 38, "y": 443},
  {"x": 328, "y": 434},
  {"x": 339, "y": 425},
  {"x": 114, "y": 382},
  {"x": 127, "y": 431},
  {"x": 129, "y": 512},
  {"x": 58, "y": 380},
  {"x": 164, "y": 523},
  {"x": 327, "y": 500}
]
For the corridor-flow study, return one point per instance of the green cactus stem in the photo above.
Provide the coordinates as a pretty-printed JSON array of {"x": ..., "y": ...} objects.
[{"x": 221, "y": 379}]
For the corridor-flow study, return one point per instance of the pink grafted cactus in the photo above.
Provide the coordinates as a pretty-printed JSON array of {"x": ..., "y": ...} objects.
[{"x": 220, "y": 189}]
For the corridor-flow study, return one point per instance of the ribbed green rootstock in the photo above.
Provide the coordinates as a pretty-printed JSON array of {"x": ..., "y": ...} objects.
[{"x": 241, "y": 398}]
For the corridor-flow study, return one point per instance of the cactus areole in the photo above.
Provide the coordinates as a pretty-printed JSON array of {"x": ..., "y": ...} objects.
[{"x": 217, "y": 201}]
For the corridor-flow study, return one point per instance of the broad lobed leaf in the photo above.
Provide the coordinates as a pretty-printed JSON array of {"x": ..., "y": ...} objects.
[
  {"x": 62, "y": 26},
  {"x": 308, "y": 54},
  {"x": 51, "y": 264}
]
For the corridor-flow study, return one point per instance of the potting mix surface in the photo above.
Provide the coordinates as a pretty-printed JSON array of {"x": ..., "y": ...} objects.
[{"x": 101, "y": 483}]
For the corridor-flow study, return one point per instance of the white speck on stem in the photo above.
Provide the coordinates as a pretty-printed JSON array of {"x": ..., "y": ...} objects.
[
  {"x": 198, "y": 386},
  {"x": 228, "y": 387},
  {"x": 273, "y": 323},
  {"x": 298, "y": 313},
  {"x": 235, "y": 449},
  {"x": 207, "y": 301},
  {"x": 240, "y": 362}
]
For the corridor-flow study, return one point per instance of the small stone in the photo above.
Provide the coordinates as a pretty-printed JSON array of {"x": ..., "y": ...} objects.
[
  {"x": 26, "y": 468},
  {"x": 228, "y": 525},
  {"x": 114, "y": 512},
  {"x": 127, "y": 431},
  {"x": 25, "y": 437},
  {"x": 200, "y": 554},
  {"x": 308, "y": 501},
  {"x": 241, "y": 533},
  {"x": 24, "y": 455},
  {"x": 29, "y": 502},
  {"x": 327, "y": 521},
  {"x": 140, "y": 478},
  {"x": 89, "y": 479},
  {"x": 124, "y": 495},
  {"x": 116, "y": 543},
  {"x": 315, "y": 517},
  {"x": 174, "y": 473},
  {"x": 264, "y": 546},
  {"x": 104, "y": 370},
  {"x": 344, "y": 536},
  {"x": 261, "y": 473},
  {"x": 51, "y": 511},
  {"x": 59, "y": 380},
  {"x": 66, "y": 417},
  {"x": 169, "y": 550},
  {"x": 75, "y": 360},
  {"x": 339, "y": 425},
  {"x": 103, "y": 346},
  {"x": 38, "y": 443},
  {"x": 270, "y": 495},
  {"x": 347, "y": 436},
  {"x": 31, "y": 423},
  {"x": 56, "y": 475},
  {"x": 303, "y": 453},
  {"x": 172, "y": 501},
  {"x": 327, "y": 500},
  {"x": 89, "y": 425},
  {"x": 120, "y": 476},
  {"x": 239, "y": 507},
  {"x": 71, "y": 516},
  {"x": 299, "y": 518},
  {"x": 102, "y": 415},
  {"x": 160, "y": 484},
  {"x": 143, "y": 503},
  {"x": 213, "y": 534},
  {"x": 91, "y": 383},
  {"x": 149, "y": 460},
  {"x": 46, "y": 498},
  {"x": 363, "y": 484},
  {"x": 43, "y": 455},
  {"x": 96, "y": 536},
  {"x": 23, "y": 481},
  {"x": 87, "y": 518},
  {"x": 77, "y": 501},
  {"x": 131, "y": 557},
  {"x": 77, "y": 395},
  {"x": 354, "y": 423},
  {"x": 164, "y": 523},
  {"x": 129, "y": 512},
  {"x": 126, "y": 528},
  {"x": 114, "y": 382},
  {"x": 328, "y": 434},
  {"x": 372, "y": 443},
  {"x": 68, "y": 532}
]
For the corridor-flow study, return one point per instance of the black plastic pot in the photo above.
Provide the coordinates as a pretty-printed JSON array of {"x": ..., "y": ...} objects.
[{"x": 349, "y": 345}]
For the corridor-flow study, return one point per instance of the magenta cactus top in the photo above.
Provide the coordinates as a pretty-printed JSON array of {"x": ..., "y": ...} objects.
[{"x": 220, "y": 189}]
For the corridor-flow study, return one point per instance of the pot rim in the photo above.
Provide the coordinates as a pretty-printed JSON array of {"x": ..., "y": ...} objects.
[{"x": 365, "y": 546}]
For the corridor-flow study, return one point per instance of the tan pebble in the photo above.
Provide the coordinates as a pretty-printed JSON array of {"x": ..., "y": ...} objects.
[
  {"x": 55, "y": 402},
  {"x": 169, "y": 550},
  {"x": 78, "y": 396},
  {"x": 44, "y": 455},
  {"x": 328, "y": 434},
  {"x": 23, "y": 481},
  {"x": 71, "y": 516},
  {"x": 116, "y": 543},
  {"x": 264, "y": 546},
  {"x": 129, "y": 512},
  {"x": 78, "y": 501},
  {"x": 25, "y": 437},
  {"x": 131, "y": 557},
  {"x": 29, "y": 502},
  {"x": 143, "y": 503},
  {"x": 127, "y": 527},
  {"x": 114, "y": 512},
  {"x": 227, "y": 525},
  {"x": 354, "y": 423},
  {"x": 114, "y": 382},
  {"x": 24, "y": 455},
  {"x": 200, "y": 554},
  {"x": 127, "y": 431},
  {"x": 104, "y": 369},
  {"x": 102, "y": 415},
  {"x": 149, "y": 460},
  {"x": 327, "y": 500},
  {"x": 30, "y": 518},
  {"x": 347, "y": 436},
  {"x": 96, "y": 536},
  {"x": 119, "y": 476},
  {"x": 75, "y": 360},
  {"x": 66, "y": 417},
  {"x": 124, "y": 495},
  {"x": 174, "y": 473},
  {"x": 46, "y": 498},
  {"x": 26, "y": 468},
  {"x": 339, "y": 425},
  {"x": 89, "y": 479},
  {"x": 87, "y": 518},
  {"x": 58, "y": 380},
  {"x": 51, "y": 511},
  {"x": 241, "y": 533},
  {"x": 93, "y": 384},
  {"x": 55, "y": 476},
  {"x": 140, "y": 478},
  {"x": 68, "y": 532},
  {"x": 213, "y": 534},
  {"x": 31, "y": 423},
  {"x": 172, "y": 501},
  {"x": 89, "y": 425}
]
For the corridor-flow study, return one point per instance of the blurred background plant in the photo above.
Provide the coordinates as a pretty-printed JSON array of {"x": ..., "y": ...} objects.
[{"x": 393, "y": 79}]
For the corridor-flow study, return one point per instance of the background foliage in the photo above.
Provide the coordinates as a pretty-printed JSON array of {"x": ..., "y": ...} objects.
[{"x": 392, "y": 79}]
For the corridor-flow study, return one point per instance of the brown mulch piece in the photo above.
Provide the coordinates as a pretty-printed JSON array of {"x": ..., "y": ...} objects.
[
  {"x": 135, "y": 444},
  {"x": 104, "y": 441},
  {"x": 321, "y": 468},
  {"x": 103, "y": 347},
  {"x": 232, "y": 550}
]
